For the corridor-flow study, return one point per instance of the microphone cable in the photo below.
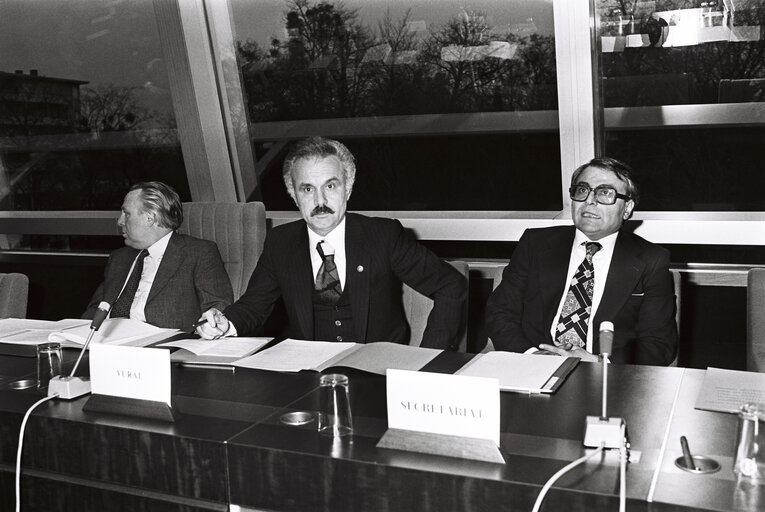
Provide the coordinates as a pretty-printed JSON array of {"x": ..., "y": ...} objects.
[
  {"x": 565, "y": 469},
  {"x": 21, "y": 443}
]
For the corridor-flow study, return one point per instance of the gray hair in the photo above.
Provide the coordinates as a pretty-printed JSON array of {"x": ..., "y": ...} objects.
[
  {"x": 162, "y": 201},
  {"x": 319, "y": 147}
]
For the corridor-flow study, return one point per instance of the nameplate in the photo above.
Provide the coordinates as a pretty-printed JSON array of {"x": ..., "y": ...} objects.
[
  {"x": 130, "y": 372},
  {"x": 444, "y": 404}
]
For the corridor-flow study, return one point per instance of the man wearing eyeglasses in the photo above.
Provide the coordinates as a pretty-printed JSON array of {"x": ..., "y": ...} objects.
[{"x": 563, "y": 281}]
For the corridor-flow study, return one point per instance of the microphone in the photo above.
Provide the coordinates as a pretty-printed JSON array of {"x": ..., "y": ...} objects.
[
  {"x": 606, "y": 344},
  {"x": 604, "y": 431},
  {"x": 71, "y": 387}
]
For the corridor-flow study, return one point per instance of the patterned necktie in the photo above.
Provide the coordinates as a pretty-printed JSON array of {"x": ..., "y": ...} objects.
[
  {"x": 575, "y": 314},
  {"x": 121, "y": 307},
  {"x": 327, "y": 279}
]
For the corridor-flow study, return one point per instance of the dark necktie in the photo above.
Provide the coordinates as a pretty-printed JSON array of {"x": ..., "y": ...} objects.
[
  {"x": 327, "y": 283},
  {"x": 121, "y": 307},
  {"x": 577, "y": 308}
]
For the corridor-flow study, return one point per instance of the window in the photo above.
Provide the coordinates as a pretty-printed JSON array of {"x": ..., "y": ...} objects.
[
  {"x": 446, "y": 108},
  {"x": 85, "y": 110},
  {"x": 683, "y": 86}
]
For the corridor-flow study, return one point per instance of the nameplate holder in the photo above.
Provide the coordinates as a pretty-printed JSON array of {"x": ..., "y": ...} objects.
[
  {"x": 131, "y": 381},
  {"x": 439, "y": 414}
]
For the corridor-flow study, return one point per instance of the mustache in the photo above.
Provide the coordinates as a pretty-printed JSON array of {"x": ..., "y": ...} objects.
[{"x": 321, "y": 209}]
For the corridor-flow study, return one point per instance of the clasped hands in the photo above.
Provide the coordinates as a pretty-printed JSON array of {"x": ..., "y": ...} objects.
[
  {"x": 568, "y": 350},
  {"x": 213, "y": 325}
]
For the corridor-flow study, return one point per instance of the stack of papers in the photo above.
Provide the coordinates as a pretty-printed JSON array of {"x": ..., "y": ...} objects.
[
  {"x": 526, "y": 373},
  {"x": 210, "y": 352},
  {"x": 728, "y": 390},
  {"x": 295, "y": 355},
  {"x": 114, "y": 331},
  {"x": 24, "y": 331}
]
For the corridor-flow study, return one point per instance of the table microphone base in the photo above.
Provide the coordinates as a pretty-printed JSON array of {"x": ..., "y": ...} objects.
[
  {"x": 68, "y": 388},
  {"x": 604, "y": 431}
]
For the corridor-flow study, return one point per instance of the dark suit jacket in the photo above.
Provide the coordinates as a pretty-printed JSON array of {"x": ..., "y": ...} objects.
[
  {"x": 380, "y": 255},
  {"x": 190, "y": 280},
  {"x": 638, "y": 297}
]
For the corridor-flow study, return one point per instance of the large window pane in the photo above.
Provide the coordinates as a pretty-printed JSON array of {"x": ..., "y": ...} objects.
[
  {"x": 672, "y": 73},
  {"x": 85, "y": 109},
  {"x": 445, "y": 107}
]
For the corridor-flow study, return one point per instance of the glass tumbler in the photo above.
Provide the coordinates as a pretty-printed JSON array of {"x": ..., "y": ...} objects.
[
  {"x": 48, "y": 364},
  {"x": 749, "y": 459},
  {"x": 334, "y": 405}
]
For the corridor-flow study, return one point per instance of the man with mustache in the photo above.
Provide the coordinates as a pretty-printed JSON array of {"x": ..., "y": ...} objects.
[
  {"x": 340, "y": 274},
  {"x": 563, "y": 281},
  {"x": 160, "y": 276}
]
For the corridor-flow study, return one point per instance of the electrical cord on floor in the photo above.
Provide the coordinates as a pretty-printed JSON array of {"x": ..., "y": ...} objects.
[
  {"x": 21, "y": 443},
  {"x": 565, "y": 469}
]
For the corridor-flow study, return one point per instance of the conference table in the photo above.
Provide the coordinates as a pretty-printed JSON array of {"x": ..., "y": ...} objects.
[{"x": 230, "y": 450}]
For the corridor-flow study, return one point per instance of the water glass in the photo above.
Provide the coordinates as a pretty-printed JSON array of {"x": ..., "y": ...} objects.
[
  {"x": 48, "y": 364},
  {"x": 334, "y": 405},
  {"x": 749, "y": 461}
]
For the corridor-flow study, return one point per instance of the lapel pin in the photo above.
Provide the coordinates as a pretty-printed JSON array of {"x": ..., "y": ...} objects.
[{"x": 360, "y": 268}]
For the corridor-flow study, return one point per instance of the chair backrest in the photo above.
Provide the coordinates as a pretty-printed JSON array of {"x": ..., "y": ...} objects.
[
  {"x": 677, "y": 279},
  {"x": 417, "y": 307},
  {"x": 755, "y": 320},
  {"x": 13, "y": 295},
  {"x": 239, "y": 229}
]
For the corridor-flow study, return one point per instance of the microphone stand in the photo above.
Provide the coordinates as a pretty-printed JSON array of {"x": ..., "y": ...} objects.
[
  {"x": 604, "y": 431},
  {"x": 72, "y": 387}
]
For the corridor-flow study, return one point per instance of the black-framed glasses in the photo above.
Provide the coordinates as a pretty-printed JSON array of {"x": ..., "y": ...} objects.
[{"x": 604, "y": 194}]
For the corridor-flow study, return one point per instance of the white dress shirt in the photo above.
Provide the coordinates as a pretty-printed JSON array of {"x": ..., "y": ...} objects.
[
  {"x": 336, "y": 239},
  {"x": 601, "y": 261},
  {"x": 150, "y": 267}
]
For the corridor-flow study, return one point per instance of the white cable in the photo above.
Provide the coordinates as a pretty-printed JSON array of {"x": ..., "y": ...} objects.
[
  {"x": 623, "y": 471},
  {"x": 21, "y": 443},
  {"x": 560, "y": 473}
]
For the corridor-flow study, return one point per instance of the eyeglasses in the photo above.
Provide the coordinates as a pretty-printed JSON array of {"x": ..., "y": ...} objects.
[{"x": 604, "y": 194}]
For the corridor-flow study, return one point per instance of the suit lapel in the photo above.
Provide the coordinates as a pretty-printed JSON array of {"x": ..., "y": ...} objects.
[
  {"x": 357, "y": 275},
  {"x": 171, "y": 262},
  {"x": 556, "y": 257},
  {"x": 623, "y": 276},
  {"x": 302, "y": 281}
]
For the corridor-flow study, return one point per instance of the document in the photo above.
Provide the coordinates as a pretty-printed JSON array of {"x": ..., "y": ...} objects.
[
  {"x": 295, "y": 355},
  {"x": 525, "y": 373},
  {"x": 220, "y": 351},
  {"x": 25, "y": 331},
  {"x": 114, "y": 331},
  {"x": 728, "y": 390}
]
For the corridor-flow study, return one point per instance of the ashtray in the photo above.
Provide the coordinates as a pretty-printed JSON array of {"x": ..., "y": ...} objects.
[
  {"x": 703, "y": 465},
  {"x": 297, "y": 418},
  {"x": 22, "y": 384}
]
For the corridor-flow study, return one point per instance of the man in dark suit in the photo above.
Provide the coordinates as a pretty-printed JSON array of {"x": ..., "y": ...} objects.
[
  {"x": 160, "y": 277},
  {"x": 562, "y": 282},
  {"x": 340, "y": 274}
]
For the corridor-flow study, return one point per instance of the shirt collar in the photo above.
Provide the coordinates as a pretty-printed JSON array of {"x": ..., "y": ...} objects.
[
  {"x": 158, "y": 248},
  {"x": 607, "y": 242},
  {"x": 335, "y": 238}
]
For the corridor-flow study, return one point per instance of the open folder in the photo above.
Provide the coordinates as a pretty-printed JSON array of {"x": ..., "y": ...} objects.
[
  {"x": 525, "y": 373},
  {"x": 114, "y": 331},
  {"x": 295, "y": 355}
]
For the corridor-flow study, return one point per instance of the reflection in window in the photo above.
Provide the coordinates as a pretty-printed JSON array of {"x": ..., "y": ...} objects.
[
  {"x": 309, "y": 66},
  {"x": 670, "y": 52},
  {"x": 663, "y": 53},
  {"x": 85, "y": 109}
]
